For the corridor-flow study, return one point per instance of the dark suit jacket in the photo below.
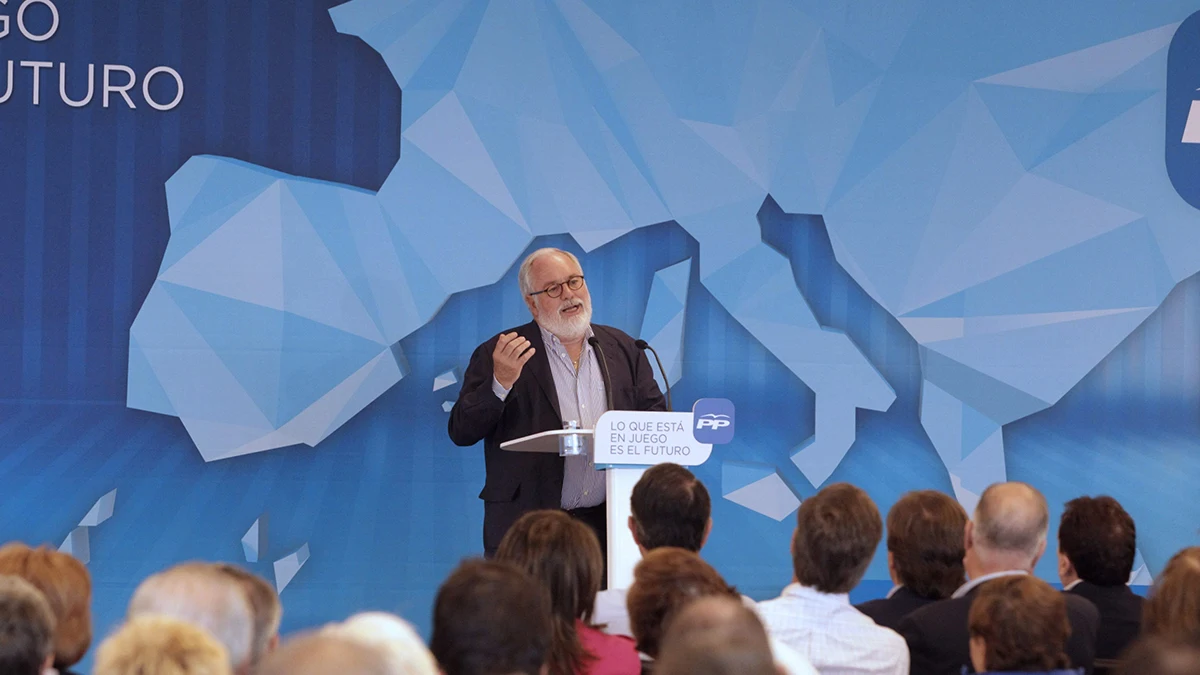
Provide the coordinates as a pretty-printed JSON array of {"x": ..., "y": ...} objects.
[
  {"x": 938, "y": 643},
  {"x": 1120, "y": 616},
  {"x": 887, "y": 612},
  {"x": 517, "y": 481}
]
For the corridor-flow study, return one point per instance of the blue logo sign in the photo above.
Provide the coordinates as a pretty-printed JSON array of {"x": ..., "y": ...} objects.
[
  {"x": 1183, "y": 110},
  {"x": 713, "y": 420}
]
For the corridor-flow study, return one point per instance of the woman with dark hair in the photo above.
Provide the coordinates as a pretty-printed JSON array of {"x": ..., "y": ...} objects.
[
  {"x": 1173, "y": 608},
  {"x": 563, "y": 555},
  {"x": 1019, "y": 624},
  {"x": 67, "y": 587}
]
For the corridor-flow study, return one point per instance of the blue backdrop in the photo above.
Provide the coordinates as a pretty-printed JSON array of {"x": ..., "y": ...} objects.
[{"x": 924, "y": 246}]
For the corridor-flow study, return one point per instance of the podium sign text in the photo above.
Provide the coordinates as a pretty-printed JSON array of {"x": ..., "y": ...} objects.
[{"x": 647, "y": 438}]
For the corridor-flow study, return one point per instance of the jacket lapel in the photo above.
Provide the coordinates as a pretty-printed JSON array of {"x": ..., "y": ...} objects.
[{"x": 539, "y": 367}]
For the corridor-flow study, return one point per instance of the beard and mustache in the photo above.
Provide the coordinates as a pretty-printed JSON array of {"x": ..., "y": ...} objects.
[{"x": 568, "y": 328}]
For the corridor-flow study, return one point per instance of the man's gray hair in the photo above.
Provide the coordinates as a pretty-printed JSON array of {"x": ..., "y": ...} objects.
[
  {"x": 525, "y": 274},
  {"x": 1011, "y": 517},
  {"x": 200, "y": 594},
  {"x": 397, "y": 641}
]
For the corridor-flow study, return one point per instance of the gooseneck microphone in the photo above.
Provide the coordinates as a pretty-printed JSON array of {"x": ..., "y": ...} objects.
[
  {"x": 642, "y": 344},
  {"x": 595, "y": 343}
]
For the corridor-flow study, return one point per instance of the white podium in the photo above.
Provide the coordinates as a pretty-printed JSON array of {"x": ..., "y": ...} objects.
[{"x": 625, "y": 443}]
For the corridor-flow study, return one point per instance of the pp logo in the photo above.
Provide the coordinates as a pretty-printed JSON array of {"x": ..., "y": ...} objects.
[
  {"x": 713, "y": 420},
  {"x": 1183, "y": 110}
]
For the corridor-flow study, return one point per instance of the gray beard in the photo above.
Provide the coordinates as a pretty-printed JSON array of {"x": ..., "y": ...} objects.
[{"x": 568, "y": 329}]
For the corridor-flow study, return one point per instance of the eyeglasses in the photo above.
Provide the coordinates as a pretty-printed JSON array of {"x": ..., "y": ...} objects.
[{"x": 555, "y": 290}]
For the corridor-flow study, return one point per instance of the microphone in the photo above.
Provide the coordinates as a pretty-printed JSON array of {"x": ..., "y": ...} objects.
[
  {"x": 643, "y": 345},
  {"x": 595, "y": 343}
]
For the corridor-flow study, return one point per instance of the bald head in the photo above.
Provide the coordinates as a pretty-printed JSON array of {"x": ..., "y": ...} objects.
[
  {"x": 1008, "y": 529},
  {"x": 323, "y": 653},
  {"x": 200, "y": 594}
]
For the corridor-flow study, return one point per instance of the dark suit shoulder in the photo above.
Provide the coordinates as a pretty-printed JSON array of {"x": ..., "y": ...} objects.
[{"x": 888, "y": 612}]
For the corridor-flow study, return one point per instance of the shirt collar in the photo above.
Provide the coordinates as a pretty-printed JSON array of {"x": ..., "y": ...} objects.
[
  {"x": 551, "y": 340},
  {"x": 1073, "y": 584},
  {"x": 895, "y": 590},
  {"x": 801, "y": 592},
  {"x": 970, "y": 585}
]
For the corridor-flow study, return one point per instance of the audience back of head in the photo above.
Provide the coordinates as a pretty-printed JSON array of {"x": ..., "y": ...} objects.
[
  {"x": 1018, "y": 623},
  {"x": 1173, "y": 608},
  {"x": 664, "y": 581},
  {"x": 200, "y": 594},
  {"x": 405, "y": 652},
  {"x": 670, "y": 507},
  {"x": 1161, "y": 656},
  {"x": 925, "y": 543},
  {"x": 327, "y": 654},
  {"x": 265, "y": 608},
  {"x": 1008, "y": 530},
  {"x": 837, "y": 531},
  {"x": 1097, "y": 541},
  {"x": 26, "y": 628},
  {"x": 715, "y": 636},
  {"x": 490, "y": 618},
  {"x": 563, "y": 555},
  {"x": 161, "y": 645},
  {"x": 67, "y": 587}
]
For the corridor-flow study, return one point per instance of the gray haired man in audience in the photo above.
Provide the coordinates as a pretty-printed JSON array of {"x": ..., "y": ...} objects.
[
  {"x": 1005, "y": 536},
  {"x": 716, "y": 636},
  {"x": 26, "y": 629},
  {"x": 324, "y": 653},
  {"x": 201, "y": 594}
]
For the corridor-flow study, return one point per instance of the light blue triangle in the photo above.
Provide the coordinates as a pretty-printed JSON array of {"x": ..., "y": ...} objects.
[
  {"x": 849, "y": 72},
  {"x": 737, "y": 475},
  {"x": 1029, "y": 118}
]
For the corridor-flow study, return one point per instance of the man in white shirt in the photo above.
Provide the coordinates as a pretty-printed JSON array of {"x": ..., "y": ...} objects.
[
  {"x": 837, "y": 531},
  {"x": 671, "y": 507}
]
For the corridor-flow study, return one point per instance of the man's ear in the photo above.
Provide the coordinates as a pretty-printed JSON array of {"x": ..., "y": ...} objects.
[
  {"x": 707, "y": 531},
  {"x": 1041, "y": 549},
  {"x": 633, "y": 530},
  {"x": 969, "y": 536},
  {"x": 273, "y": 643}
]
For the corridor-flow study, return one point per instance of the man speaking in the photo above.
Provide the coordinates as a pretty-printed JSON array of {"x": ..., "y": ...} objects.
[{"x": 535, "y": 377}]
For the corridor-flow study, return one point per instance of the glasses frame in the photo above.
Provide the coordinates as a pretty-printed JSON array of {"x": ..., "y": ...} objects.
[{"x": 555, "y": 290}]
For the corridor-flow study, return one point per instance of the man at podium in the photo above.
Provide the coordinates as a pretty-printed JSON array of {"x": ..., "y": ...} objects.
[{"x": 538, "y": 376}]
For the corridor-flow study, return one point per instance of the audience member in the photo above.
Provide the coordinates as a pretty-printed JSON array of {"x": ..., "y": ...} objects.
[
  {"x": 1006, "y": 536},
  {"x": 265, "y": 609},
  {"x": 669, "y": 507},
  {"x": 67, "y": 587},
  {"x": 328, "y": 654},
  {"x": 716, "y": 636},
  {"x": 837, "y": 531},
  {"x": 664, "y": 581},
  {"x": 924, "y": 554},
  {"x": 26, "y": 628},
  {"x": 490, "y": 618},
  {"x": 1018, "y": 624},
  {"x": 1097, "y": 542},
  {"x": 394, "y": 637},
  {"x": 200, "y": 594},
  {"x": 563, "y": 555},
  {"x": 1173, "y": 609},
  {"x": 1161, "y": 656},
  {"x": 161, "y": 645}
]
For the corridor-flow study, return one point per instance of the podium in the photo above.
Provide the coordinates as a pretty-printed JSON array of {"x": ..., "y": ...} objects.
[{"x": 624, "y": 443}]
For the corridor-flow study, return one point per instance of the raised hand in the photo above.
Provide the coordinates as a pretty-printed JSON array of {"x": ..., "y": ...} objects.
[{"x": 511, "y": 353}]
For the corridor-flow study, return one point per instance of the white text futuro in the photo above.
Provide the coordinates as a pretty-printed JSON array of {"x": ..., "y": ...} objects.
[{"x": 39, "y": 21}]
